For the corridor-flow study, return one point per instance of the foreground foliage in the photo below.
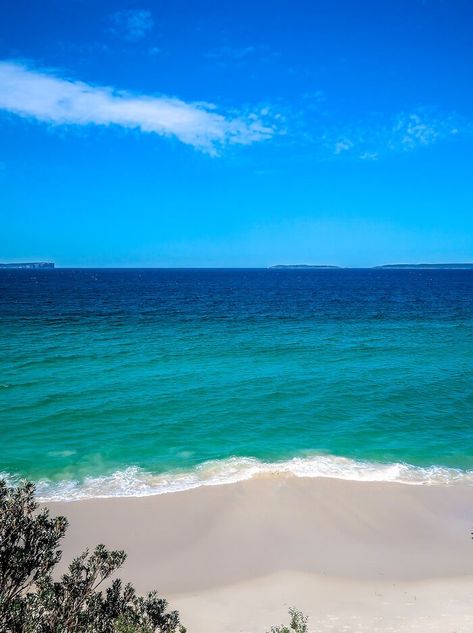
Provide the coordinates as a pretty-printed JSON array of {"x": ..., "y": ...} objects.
[
  {"x": 297, "y": 624},
  {"x": 31, "y": 601}
]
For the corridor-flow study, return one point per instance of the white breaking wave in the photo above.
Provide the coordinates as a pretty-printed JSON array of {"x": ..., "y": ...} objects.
[{"x": 136, "y": 482}]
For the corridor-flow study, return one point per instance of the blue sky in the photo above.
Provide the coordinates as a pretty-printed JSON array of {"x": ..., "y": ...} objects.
[{"x": 193, "y": 133}]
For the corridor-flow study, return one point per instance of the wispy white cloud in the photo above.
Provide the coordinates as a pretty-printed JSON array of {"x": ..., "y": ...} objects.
[
  {"x": 226, "y": 55},
  {"x": 417, "y": 129},
  {"x": 405, "y": 132},
  {"x": 49, "y": 98},
  {"x": 369, "y": 156},
  {"x": 131, "y": 24},
  {"x": 343, "y": 145}
]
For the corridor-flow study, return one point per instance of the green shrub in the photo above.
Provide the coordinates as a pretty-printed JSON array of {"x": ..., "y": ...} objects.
[
  {"x": 297, "y": 624},
  {"x": 32, "y": 602}
]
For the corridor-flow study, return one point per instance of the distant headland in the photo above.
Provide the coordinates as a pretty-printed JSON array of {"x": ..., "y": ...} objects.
[
  {"x": 465, "y": 266},
  {"x": 428, "y": 266},
  {"x": 29, "y": 265}
]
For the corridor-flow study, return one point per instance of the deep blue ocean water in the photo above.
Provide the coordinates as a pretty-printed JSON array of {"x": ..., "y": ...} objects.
[{"x": 135, "y": 381}]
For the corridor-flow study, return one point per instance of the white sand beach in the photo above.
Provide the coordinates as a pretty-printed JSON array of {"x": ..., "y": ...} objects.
[{"x": 353, "y": 556}]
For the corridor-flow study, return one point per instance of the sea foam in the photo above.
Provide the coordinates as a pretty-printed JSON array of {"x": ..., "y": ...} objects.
[{"x": 136, "y": 482}]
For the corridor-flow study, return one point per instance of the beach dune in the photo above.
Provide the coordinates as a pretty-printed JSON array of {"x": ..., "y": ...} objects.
[{"x": 353, "y": 556}]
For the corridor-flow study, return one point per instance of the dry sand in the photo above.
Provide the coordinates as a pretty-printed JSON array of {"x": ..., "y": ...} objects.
[{"x": 353, "y": 556}]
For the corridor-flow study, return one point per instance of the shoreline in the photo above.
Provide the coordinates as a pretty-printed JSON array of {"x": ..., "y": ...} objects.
[
  {"x": 133, "y": 481},
  {"x": 276, "y": 541}
]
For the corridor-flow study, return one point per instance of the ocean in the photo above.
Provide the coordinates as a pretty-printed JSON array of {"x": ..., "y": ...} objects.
[{"x": 124, "y": 382}]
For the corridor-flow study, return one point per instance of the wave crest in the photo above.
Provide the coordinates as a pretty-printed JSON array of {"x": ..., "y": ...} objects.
[{"x": 136, "y": 482}]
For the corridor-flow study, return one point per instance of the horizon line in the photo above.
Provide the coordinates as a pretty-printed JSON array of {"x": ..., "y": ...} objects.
[{"x": 11, "y": 266}]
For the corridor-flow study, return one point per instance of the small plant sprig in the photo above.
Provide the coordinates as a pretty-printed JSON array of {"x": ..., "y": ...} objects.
[{"x": 297, "y": 624}]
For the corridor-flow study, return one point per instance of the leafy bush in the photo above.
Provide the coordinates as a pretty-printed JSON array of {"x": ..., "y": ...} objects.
[
  {"x": 297, "y": 624},
  {"x": 31, "y": 601}
]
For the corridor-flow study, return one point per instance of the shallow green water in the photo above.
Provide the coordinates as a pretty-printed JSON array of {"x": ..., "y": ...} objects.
[{"x": 131, "y": 383}]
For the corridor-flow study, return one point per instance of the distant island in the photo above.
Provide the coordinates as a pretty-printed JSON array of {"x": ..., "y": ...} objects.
[
  {"x": 466, "y": 266},
  {"x": 428, "y": 266},
  {"x": 29, "y": 265}
]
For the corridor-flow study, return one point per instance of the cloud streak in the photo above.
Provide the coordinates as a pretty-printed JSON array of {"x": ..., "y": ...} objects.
[
  {"x": 131, "y": 24},
  {"x": 405, "y": 132},
  {"x": 46, "y": 97}
]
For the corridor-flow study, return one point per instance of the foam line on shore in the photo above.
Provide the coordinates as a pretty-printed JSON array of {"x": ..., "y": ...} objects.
[{"x": 136, "y": 482}]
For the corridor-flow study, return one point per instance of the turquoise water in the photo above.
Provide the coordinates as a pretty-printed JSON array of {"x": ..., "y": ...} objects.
[{"x": 134, "y": 382}]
